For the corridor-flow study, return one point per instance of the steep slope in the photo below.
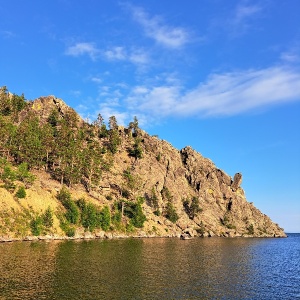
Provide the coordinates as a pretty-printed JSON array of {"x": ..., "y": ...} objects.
[
  {"x": 183, "y": 193},
  {"x": 186, "y": 174}
]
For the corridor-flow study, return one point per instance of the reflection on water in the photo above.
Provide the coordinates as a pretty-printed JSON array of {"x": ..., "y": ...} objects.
[
  {"x": 213, "y": 268},
  {"x": 26, "y": 270}
]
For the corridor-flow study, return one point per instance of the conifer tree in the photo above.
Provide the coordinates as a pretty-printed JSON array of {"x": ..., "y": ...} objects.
[
  {"x": 92, "y": 164},
  {"x": 7, "y": 135},
  {"x": 28, "y": 142},
  {"x": 114, "y": 138}
]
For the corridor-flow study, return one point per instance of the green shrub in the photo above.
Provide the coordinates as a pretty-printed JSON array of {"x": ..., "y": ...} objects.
[
  {"x": 24, "y": 175},
  {"x": 126, "y": 194},
  {"x": 21, "y": 193},
  {"x": 134, "y": 212},
  {"x": 8, "y": 176},
  {"x": 109, "y": 197},
  {"x": 65, "y": 226},
  {"x": 153, "y": 199},
  {"x": 72, "y": 214},
  {"x": 139, "y": 218},
  {"x": 92, "y": 217},
  {"x": 171, "y": 213},
  {"x": 36, "y": 226},
  {"x": 136, "y": 151},
  {"x": 166, "y": 194},
  {"x": 116, "y": 219},
  {"x": 192, "y": 207},
  {"x": 63, "y": 194},
  {"x": 250, "y": 229},
  {"x": 230, "y": 226},
  {"x": 70, "y": 231},
  {"x": 201, "y": 229},
  {"x": 105, "y": 218},
  {"x": 157, "y": 212},
  {"x": 89, "y": 217},
  {"x": 47, "y": 218},
  {"x": 158, "y": 157},
  {"x": 130, "y": 226}
]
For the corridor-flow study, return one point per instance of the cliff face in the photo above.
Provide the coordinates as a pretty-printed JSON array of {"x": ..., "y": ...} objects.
[
  {"x": 204, "y": 199},
  {"x": 186, "y": 174}
]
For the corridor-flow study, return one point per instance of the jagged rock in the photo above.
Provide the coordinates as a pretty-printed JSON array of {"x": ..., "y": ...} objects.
[
  {"x": 100, "y": 234},
  {"x": 185, "y": 236},
  {"x": 237, "y": 180},
  {"x": 88, "y": 235},
  {"x": 108, "y": 235}
]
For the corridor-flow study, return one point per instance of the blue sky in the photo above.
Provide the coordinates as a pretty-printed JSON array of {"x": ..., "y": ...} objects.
[{"x": 220, "y": 76}]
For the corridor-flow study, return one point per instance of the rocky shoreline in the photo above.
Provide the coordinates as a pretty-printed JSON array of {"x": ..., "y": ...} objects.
[{"x": 110, "y": 235}]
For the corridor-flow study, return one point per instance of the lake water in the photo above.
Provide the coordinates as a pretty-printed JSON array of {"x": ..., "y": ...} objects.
[{"x": 157, "y": 268}]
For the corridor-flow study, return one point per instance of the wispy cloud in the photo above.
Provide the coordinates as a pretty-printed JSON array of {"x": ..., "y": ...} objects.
[
  {"x": 156, "y": 28},
  {"x": 135, "y": 56},
  {"x": 243, "y": 18},
  {"x": 115, "y": 53},
  {"x": 83, "y": 49},
  {"x": 245, "y": 12},
  {"x": 224, "y": 94},
  {"x": 96, "y": 79},
  {"x": 7, "y": 34},
  {"x": 292, "y": 55},
  {"x": 239, "y": 92}
]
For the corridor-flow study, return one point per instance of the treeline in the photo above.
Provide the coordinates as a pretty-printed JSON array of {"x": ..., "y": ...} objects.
[{"x": 70, "y": 150}]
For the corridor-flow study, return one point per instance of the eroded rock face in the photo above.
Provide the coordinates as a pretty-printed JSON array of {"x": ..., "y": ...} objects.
[
  {"x": 224, "y": 210},
  {"x": 44, "y": 106}
]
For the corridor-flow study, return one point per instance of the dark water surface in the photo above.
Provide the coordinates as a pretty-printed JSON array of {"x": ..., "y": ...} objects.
[{"x": 209, "y": 268}]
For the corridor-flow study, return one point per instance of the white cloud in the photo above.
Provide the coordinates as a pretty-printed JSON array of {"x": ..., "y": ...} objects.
[
  {"x": 244, "y": 12},
  {"x": 139, "y": 57},
  {"x": 96, "y": 79},
  {"x": 138, "y": 90},
  {"x": 156, "y": 28},
  {"x": 135, "y": 56},
  {"x": 82, "y": 49},
  {"x": 7, "y": 34},
  {"x": 238, "y": 92},
  {"x": 220, "y": 95},
  {"x": 115, "y": 53},
  {"x": 291, "y": 56},
  {"x": 242, "y": 19}
]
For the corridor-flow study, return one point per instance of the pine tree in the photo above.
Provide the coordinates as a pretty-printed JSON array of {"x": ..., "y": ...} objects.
[
  {"x": 134, "y": 126},
  {"x": 92, "y": 164},
  {"x": 28, "y": 142},
  {"x": 113, "y": 124}
]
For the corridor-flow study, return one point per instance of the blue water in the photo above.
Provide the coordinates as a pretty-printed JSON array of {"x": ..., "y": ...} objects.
[{"x": 161, "y": 268}]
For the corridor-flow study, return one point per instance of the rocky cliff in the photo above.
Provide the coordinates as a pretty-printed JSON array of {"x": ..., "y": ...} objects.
[{"x": 184, "y": 194}]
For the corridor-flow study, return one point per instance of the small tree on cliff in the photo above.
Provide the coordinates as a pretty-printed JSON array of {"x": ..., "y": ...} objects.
[{"x": 134, "y": 126}]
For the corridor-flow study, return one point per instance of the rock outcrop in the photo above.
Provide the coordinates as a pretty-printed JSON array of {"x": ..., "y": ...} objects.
[{"x": 208, "y": 202}]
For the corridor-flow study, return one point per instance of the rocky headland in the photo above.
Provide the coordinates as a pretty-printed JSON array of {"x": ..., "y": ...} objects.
[{"x": 148, "y": 188}]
